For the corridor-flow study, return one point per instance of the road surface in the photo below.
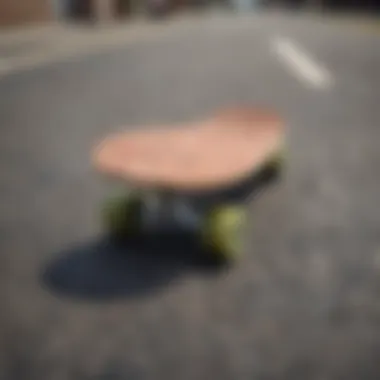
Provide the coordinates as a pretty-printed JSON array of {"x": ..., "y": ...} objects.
[{"x": 303, "y": 303}]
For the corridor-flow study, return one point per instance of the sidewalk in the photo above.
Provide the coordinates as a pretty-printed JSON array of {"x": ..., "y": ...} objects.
[
  {"x": 27, "y": 48},
  {"x": 31, "y": 47}
]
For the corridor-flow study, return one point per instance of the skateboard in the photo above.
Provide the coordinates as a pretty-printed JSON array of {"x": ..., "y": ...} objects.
[{"x": 171, "y": 176}]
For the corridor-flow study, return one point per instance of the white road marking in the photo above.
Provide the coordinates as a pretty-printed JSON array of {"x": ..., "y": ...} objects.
[{"x": 302, "y": 65}]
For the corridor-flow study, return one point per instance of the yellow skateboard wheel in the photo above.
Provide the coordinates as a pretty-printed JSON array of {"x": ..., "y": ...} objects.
[
  {"x": 222, "y": 232},
  {"x": 122, "y": 215},
  {"x": 277, "y": 161}
]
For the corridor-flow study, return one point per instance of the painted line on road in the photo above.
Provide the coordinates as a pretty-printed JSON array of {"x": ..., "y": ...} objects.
[{"x": 301, "y": 64}]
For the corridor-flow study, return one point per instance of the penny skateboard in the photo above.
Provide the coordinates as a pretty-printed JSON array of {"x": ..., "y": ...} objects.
[{"x": 171, "y": 173}]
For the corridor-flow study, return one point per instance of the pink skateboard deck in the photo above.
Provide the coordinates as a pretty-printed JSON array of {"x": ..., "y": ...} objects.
[{"x": 211, "y": 153}]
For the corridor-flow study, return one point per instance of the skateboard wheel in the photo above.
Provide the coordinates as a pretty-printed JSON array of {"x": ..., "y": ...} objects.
[
  {"x": 122, "y": 215},
  {"x": 276, "y": 162},
  {"x": 221, "y": 234}
]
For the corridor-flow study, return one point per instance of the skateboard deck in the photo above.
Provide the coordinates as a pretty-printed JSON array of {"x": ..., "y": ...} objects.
[
  {"x": 210, "y": 153},
  {"x": 167, "y": 162}
]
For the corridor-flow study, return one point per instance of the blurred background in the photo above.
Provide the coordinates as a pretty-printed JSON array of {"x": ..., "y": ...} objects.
[
  {"x": 97, "y": 10},
  {"x": 302, "y": 302}
]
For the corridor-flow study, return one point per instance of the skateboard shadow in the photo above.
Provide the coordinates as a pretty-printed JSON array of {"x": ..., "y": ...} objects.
[{"x": 105, "y": 270}]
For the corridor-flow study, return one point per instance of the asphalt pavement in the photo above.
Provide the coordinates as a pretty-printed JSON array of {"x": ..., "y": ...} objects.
[{"x": 303, "y": 302}]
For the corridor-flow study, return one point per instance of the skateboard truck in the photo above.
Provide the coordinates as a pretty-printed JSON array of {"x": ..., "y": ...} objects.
[{"x": 166, "y": 211}]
